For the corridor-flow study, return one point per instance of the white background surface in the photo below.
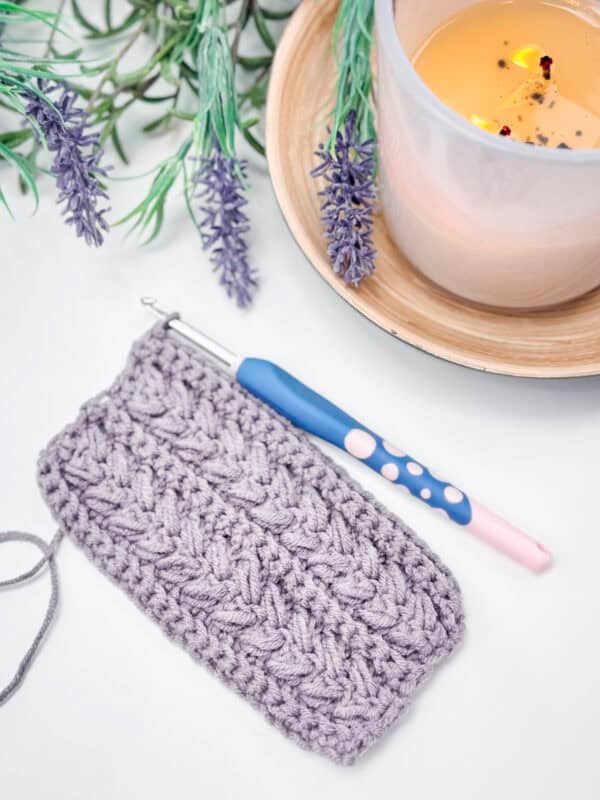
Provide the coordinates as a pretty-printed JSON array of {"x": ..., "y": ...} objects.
[{"x": 113, "y": 710}]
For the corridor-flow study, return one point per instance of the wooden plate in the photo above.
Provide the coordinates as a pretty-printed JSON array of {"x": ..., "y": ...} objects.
[{"x": 559, "y": 342}]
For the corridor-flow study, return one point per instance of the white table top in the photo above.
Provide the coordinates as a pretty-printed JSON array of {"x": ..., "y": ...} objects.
[{"x": 113, "y": 710}]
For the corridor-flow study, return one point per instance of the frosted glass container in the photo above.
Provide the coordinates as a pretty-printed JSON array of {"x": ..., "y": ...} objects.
[{"x": 491, "y": 219}]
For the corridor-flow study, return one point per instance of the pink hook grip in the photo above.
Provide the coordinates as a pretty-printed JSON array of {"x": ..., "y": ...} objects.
[{"x": 510, "y": 540}]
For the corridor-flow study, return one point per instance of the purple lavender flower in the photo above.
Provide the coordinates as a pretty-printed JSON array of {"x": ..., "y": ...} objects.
[
  {"x": 224, "y": 224},
  {"x": 349, "y": 202},
  {"x": 76, "y": 165}
]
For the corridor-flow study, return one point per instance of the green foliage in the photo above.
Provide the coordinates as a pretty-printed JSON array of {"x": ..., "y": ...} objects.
[
  {"x": 197, "y": 53},
  {"x": 197, "y": 76},
  {"x": 352, "y": 42},
  {"x": 16, "y": 12},
  {"x": 217, "y": 117},
  {"x": 18, "y": 75},
  {"x": 151, "y": 211}
]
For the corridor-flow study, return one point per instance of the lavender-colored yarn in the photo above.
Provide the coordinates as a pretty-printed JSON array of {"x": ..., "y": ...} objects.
[{"x": 252, "y": 549}]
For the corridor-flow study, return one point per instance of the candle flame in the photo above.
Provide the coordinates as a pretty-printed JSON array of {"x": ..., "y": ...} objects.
[
  {"x": 528, "y": 57},
  {"x": 484, "y": 124}
]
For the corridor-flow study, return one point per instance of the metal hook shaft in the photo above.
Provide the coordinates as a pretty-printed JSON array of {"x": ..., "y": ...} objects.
[{"x": 192, "y": 335}]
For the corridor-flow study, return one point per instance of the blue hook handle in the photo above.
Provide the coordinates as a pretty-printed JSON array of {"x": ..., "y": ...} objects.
[{"x": 315, "y": 414}]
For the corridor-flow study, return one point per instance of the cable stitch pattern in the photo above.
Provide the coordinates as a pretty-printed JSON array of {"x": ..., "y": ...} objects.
[{"x": 252, "y": 549}]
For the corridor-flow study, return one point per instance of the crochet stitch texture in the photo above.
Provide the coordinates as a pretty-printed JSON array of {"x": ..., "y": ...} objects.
[{"x": 252, "y": 549}]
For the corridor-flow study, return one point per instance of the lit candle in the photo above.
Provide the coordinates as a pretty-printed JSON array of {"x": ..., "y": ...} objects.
[
  {"x": 472, "y": 206},
  {"x": 529, "y": 69}
]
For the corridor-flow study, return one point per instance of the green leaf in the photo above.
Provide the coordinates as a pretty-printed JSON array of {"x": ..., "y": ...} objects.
[
  {"x": 96, "y": 70},
  {"x": 157, "y": 123},
  {"x": 12, "y": 71},
  {"x": 249, "y": 123},
  {"x": 277, "y": 16},
  {"x": 188, "y": 193},
  {"x": 108, "y": 13},
  {"x": 263, "y": 28},
  {"x": 13, "y": 139},
  {"x": 258, "y": 62},
  {"x": 352, "y": 42},
  {"x": 131, "y": 78},
  {"x": 82, "y": 91},
  {"x": 253, "y": 141},
  {"x": 73, "y": 55},
  {"x": 15, "y": 57},
  {"x": 158, "y": 99},
  {"x": 116, "y": 140},
  {"x": 137, "y": 75},
  {"x": 256, "y": 95},
  {"x": 24, "y": 169},
  {"x": 78, "y": 14},
  {"x": 4, "y": 203},
  {"x": 151, "y": 211},
  {"x": 217, "y": 116},
  {"x": 123, "y": 26},
  {"x": 12, "y": 13}
]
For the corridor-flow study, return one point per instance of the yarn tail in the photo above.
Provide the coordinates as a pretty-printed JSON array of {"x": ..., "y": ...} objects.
[{"x": 47, "y": 559}]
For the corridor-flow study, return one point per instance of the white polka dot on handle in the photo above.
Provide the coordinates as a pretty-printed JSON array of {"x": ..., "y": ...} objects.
[
  {"x": 360, "y": 444},
  {"x": 393, "y": 450},
  {"x": 453, "y": 495},
  {"x": 414, "y": 468},
  {"x": 390, "y": 471},
  {"x": 426, "y": 494}
]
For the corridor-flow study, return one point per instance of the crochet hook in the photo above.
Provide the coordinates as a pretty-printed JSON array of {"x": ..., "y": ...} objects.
[{"x": 308, "y": 410}]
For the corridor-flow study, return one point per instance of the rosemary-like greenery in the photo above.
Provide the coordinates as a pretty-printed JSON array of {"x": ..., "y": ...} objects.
[
  {"x": 207, "y": 72},
  {"x": 352, "y": 43},
  {"x": 60, "y": 107}
]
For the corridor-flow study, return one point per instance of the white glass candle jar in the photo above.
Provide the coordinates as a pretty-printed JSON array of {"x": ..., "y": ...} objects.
[{"x": 491, "y": 219}]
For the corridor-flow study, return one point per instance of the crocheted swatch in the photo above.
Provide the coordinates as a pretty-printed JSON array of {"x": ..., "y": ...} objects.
[{"x": 252, "y": 549}]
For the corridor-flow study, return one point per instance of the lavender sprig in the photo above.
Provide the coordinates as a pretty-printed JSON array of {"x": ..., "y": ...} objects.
[
  {"x": 77, "y": 156},
  {"x": 220, "y": 182},
  {"x": 349, "y": 202},
  {"x": 348, "y": 159},
  {"x": 221, "y": 178}
]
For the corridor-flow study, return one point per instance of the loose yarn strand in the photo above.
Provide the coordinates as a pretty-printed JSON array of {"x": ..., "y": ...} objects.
[{"x": 48, "y": 553}]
